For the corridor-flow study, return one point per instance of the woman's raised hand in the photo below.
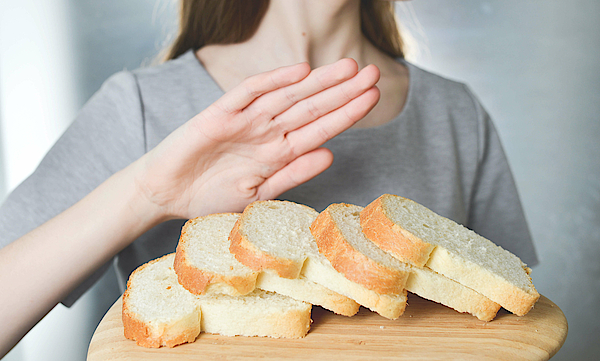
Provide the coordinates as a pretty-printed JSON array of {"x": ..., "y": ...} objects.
[{"x": 258, "y": 140}]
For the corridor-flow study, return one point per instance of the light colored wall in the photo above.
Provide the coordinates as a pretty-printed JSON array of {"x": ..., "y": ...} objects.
[
  {"x": 533, "y": 64},
  {"x": 37, "y": 84}
]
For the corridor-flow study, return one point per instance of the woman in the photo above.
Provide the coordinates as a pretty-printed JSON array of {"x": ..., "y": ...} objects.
[{"x": 215, "y": 128}]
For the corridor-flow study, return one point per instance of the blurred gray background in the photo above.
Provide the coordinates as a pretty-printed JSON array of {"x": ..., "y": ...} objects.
[{"x": 534, "y": 65}]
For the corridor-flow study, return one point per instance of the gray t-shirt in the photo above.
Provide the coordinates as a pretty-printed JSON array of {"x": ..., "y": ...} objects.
[{"x": 442, "y": 151}]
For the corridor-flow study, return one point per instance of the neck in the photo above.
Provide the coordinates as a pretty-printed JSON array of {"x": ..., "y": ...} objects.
[
  {"x": 318, "y": 32},
  {"x": 315, "y": 31},
  {"x": 293, "y": 31}
]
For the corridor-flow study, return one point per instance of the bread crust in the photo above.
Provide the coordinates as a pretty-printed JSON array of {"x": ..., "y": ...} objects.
[
  {"x": 294, "y": 324},
  {"x": 138, "y": 331},
  {"x": 245, "y": 252},
  {"x": 197, "y": 280},
  {"x": 399, "y": 243},
  {"x": 350, "y": 262}
]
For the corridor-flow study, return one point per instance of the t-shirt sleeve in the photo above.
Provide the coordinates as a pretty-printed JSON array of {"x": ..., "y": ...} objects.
[
  {"x": 106, "y": 136},
  {"x": 496, "y": 211}
]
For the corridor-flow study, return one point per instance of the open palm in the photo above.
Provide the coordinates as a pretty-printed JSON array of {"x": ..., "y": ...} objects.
[{"x": 258, "y": 140}]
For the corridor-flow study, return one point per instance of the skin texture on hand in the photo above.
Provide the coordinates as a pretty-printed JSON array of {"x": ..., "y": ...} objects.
[{"x": 260, "y": 139}]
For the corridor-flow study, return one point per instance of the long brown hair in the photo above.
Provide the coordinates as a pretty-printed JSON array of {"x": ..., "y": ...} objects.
[{"x": 206, "y": 22}]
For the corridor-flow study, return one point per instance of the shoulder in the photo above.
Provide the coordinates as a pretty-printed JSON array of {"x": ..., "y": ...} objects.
[
  {"x": 435, "y": 91},
  {"x": 155, "y": 74},
  {"x": 448, "y": 111},
  {"x": 438, "y": 100},
  {"x": 174, "y": 91},
  {"x": 170, "y": 69},
  {"x": 184, "y": 74}
]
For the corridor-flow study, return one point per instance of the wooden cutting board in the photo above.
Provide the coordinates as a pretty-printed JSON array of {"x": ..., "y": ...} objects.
[{"x": 426, "y": 331}]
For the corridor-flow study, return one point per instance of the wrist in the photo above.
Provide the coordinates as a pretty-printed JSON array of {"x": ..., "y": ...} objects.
[
  {"x": 119, "y": 212},
  {"x": 140, "y": 208}
]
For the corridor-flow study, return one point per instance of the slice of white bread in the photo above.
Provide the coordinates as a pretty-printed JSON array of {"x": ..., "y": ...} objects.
[
  {"x": 341, "y": 231},
  {"x": 203, "y": 262},
  {"x": 273, "y": 240},
  {"x": 340, "y": 239},
  {"x": 158, "y": 311},
  {"x": 416, "y": 235},
  {"x": 204, "y": 265},
  {"x": 377, "y": 283},
  {"x": 275, "y": 236}
]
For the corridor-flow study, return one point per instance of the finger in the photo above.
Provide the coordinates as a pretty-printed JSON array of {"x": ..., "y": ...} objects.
[
  {"x": 252, "y": 87},
  {"x": 328, "y": 100},
  {"x": 299, "y": 171},
  {"x": 318, "y": 80},
  {"x": 315, "y": 134}
]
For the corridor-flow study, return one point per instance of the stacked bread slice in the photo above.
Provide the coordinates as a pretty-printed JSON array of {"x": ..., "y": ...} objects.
[
  {"x": 259, "y": 273},
  {"x": 416, "y": 235},
  {"x": 340, "y": 237},
  {"x": 274, "y": 237},
  {"x": 169, "y": 302},
  {"x": 204, "y": 265},
  {"x": 158, "y": 311}
]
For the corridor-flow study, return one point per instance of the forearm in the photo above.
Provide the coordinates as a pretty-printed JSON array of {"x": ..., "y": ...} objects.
[{"x": 38, "y": 270}]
